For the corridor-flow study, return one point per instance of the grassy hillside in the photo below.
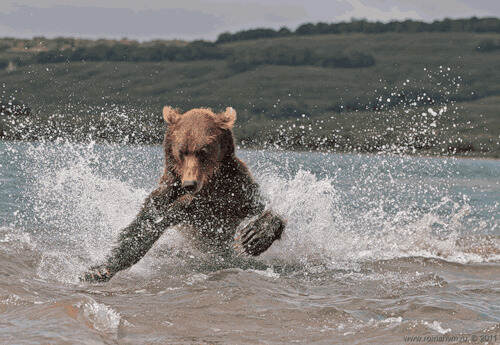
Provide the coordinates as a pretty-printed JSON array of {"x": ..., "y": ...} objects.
[{"x": 375, "y": 108}]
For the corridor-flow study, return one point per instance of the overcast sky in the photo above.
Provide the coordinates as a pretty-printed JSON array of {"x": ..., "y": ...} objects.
[{"x": 205, "y": 19}]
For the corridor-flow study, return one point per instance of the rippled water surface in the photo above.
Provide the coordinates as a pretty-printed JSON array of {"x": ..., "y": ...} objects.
[{"x": 377, "y": 248}]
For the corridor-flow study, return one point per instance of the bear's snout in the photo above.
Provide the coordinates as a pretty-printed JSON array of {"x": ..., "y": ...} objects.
[
  {"x": 190, "y": 186},
  {"x": 191, "y": 174}
]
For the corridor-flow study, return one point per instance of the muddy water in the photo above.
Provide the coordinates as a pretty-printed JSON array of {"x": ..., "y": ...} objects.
[{"x": 378, "y": 249}]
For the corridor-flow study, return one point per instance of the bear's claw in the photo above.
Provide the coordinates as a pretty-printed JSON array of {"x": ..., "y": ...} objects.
[
  {"x": 97, "y": 274},
  {"x": 258, "y": 236}
]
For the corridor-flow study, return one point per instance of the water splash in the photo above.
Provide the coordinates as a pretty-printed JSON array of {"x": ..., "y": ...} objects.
[
  {"x": 100, "y": 316},
  {"x": 342, "y": 210}
]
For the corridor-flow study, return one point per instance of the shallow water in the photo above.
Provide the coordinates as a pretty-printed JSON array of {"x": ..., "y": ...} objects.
[{"x": 377, "y": 248}]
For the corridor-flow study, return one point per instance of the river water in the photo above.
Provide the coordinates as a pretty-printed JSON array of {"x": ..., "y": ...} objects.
[{"x": 378, "y": 249}]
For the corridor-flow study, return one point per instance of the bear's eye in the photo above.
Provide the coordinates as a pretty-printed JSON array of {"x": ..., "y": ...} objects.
[{"x": 204, "y": 151}]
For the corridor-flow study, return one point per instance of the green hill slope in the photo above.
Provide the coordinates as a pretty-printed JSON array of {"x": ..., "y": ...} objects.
[{"x": 373, "y": 108}]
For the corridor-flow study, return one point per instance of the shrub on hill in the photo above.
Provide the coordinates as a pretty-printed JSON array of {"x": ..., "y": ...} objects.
[
  {"x": 488, "y": 46},
  {"x": 3, "y": 63}
]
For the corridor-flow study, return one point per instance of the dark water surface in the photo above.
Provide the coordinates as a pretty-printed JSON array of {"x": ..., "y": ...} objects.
[{"x": 377, "y": 249}]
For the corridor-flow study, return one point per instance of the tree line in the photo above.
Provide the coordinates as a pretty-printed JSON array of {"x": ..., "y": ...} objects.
[
  {"x": 243, "y": 60},
  {"x": 196, "y": 50},
  {"x": 473, "y": 24},
  {"x": 238, "y": 60}
]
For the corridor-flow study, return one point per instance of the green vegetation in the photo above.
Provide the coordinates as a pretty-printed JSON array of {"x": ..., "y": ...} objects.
[
  {"x": 488, "y": 46},
  {"x": 362, "y": 26},
  {"x": 197, "y": 50},
  {"x": 238, "y": 60},
  {"x": 4, "y": 63},
  {"x": 410, "y": 92},
  {"x": 244, "y": 60}
]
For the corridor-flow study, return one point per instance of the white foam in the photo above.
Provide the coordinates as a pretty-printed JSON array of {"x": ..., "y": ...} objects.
[
  {"x": 392, "y": 320},
  {"x": 196, "y": 278},
  {"x": 12, "y": 299},
  {"x": 321, "y": 226},
  {"x": 269, "y": 272},
  {"x": 102, "y": 317},
  {"x": 436, "y": 326},
  {"x": 15, "y": 237},
  {"x": 388, "y": 322}
]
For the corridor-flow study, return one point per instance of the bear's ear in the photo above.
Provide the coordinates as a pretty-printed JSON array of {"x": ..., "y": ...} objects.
[
  {"x": 226, "y": 119},
  {"x": 170, "y": 115}
]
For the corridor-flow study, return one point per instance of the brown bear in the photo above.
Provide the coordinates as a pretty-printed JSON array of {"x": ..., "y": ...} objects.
[{"x": 205, "y": 190}]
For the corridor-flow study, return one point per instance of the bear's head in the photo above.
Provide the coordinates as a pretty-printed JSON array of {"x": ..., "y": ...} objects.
[{"x": 196, "y": 144}]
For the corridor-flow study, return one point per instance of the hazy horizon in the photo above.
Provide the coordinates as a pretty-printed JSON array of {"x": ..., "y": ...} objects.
[{"x": 205, "y": 19}]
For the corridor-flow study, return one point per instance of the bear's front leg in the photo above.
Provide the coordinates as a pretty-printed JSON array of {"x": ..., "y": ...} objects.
[
  {"x": 157, "y": 214},
  {"x": 259, "y": 235}
]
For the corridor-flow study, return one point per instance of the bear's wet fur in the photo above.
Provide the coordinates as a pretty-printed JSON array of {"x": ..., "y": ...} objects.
[{"x": 205, "y": 189}]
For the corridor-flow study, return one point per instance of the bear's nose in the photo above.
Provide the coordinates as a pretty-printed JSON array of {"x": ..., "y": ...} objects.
[{"x": 190, "y": 186}]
